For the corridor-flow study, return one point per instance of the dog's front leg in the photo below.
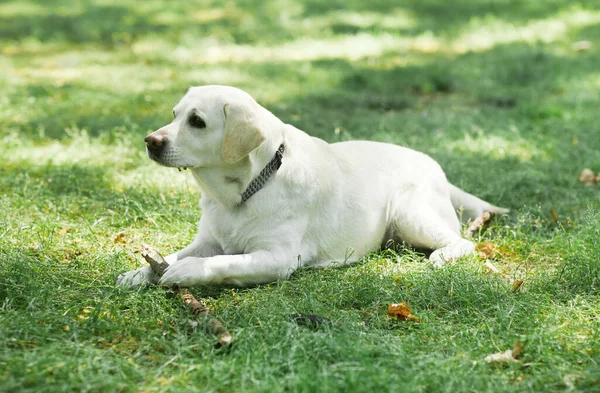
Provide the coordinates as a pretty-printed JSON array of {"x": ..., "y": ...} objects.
[
  {"x": 243, "y": 269},
  {"x": 204, "y": 245}
]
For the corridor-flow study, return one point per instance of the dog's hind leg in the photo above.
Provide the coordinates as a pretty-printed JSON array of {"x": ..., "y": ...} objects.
[{"x": 424, "y": 218}]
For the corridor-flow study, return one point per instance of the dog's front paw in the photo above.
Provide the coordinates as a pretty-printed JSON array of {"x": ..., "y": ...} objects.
[
  {"x": 184, "y": 273},
  {"x": 139, "y": 277}
]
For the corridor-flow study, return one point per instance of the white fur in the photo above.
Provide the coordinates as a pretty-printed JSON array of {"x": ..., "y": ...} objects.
[{"x": 328, "y": 203}]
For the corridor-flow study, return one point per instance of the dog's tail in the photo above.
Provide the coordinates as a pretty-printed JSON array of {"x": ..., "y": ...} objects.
[{"x": 469, "y": 206}]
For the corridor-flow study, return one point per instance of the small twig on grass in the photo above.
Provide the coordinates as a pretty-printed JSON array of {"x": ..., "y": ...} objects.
[
  {"x": 481, "y": 222},
  {"x": 491, "y": 267},
  {"x": 212, "y": 325}
]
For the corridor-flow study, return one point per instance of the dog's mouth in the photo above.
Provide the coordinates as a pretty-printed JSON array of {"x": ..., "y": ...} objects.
[{"x": 166, "y": 161}]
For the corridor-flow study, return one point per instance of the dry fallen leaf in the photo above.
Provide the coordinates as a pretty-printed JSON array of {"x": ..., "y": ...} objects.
[
  {"x": 105, "y": 343},
  {"x": 120, "y": 238},
  {"x": 587, "y": 176},
  {"x": 516, "y": 352},
  {"x": 485, "y": 250},
  {"x": 501, "y": 357},
  {"x": 402, "y": 312},
  {"x": 516, "y": 285},
  {"x": 508, "y": 356}
]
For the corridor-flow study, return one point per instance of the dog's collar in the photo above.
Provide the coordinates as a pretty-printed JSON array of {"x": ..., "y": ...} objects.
[{"x": 268, "y": 171}]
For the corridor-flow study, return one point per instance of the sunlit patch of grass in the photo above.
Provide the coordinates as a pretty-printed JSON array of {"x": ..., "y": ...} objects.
[
  {"x": 489, "y": 32},
  {"x": 302, "y": 49},
  {"x": 121, "y": 157},
  {"x": 22, "y": 8},
  {"x": 497, "y": 147}
]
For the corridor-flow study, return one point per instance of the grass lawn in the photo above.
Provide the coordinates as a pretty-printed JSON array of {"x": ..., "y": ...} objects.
[{"x": 505, "y": 94}]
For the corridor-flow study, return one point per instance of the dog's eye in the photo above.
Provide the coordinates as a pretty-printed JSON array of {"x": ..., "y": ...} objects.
[{"x": 196, "y": 121}]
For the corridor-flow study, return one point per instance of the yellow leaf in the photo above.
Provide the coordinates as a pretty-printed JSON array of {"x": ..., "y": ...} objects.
[
  {"x": 516, "y": 285},
  {"x": 402, "y": 312},
  {"x": 485, "y": 250},
  {"x": 120, "y": 238}
]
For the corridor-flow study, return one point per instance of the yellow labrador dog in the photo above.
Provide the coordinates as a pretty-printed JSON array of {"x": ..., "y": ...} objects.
[{"x": 275, "y": 199}]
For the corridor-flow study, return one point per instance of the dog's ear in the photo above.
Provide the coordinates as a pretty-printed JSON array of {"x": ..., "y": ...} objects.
[{"x": 243, "y": 131}]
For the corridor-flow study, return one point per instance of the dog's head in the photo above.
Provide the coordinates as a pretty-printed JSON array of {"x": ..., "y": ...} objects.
[{"x": 212, "y": 126}]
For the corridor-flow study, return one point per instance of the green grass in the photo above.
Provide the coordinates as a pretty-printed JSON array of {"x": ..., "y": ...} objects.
[{"x": 492, "y": 89}]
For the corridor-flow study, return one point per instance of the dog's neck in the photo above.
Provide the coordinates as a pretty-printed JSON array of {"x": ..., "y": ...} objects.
[
  {"x": 268, "y": 171},
  {"x": 228, "y": 183}
]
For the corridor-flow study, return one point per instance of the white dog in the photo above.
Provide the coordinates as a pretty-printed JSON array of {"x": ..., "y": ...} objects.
[{"x": 275, "y": 199}]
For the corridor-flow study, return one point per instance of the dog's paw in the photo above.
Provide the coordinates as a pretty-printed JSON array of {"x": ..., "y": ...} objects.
[
  {"x": 437, "y": 259},
  {"x": 451, "y": 253},
  {"x": 184, "y": 273},
  {"x": 139, "y": 277}
]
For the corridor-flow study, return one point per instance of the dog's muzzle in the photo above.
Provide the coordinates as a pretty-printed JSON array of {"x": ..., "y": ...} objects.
[{"x": 155, "y": 145}]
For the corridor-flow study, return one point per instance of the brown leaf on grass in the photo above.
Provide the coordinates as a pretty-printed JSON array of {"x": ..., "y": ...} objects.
[
  {"x": 587, "y": 176},
  {"x": 508, "y": 356},
  {"x": 566, "y": 223},
  {"x": 120, "y": 238},
  {"x": 402, "y": 312},
  {"x": 516, "y": 285},
  {"x": 516, "y": 352},
  {"x": 64, "y": 231},
  {"x": 105, "y": 343},
  {"x": 485, "y": 250}
]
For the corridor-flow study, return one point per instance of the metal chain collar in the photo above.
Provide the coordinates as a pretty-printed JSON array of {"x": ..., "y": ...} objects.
[{"x": 268, "y": 171}]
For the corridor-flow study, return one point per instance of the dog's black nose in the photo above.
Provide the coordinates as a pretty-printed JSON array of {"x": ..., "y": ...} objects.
[{"x": 155, "y": 142}]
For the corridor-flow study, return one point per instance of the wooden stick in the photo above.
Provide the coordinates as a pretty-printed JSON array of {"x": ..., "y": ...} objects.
[
  {"x": 198, "y": 309},
  {"x": 491, "y": 267},
  {"x": 481, "y": 222}
]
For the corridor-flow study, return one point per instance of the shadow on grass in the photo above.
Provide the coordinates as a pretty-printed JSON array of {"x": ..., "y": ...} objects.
[
  {"x": 437, "y": 16},
  {"x": 255, "y": 21},
  {"x": 105, "y": 25}
]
